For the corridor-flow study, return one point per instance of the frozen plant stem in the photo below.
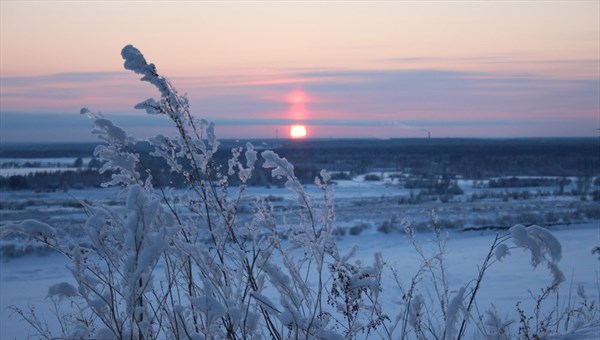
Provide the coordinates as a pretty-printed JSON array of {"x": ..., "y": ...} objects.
[{"x": 487, "y": 262}]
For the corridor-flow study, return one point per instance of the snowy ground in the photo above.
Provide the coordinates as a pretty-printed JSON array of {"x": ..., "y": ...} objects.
[
  {"x": 358, "y": 203},
  {"x": 25, "y": 166},
  {"x": 24, "y": 281}
]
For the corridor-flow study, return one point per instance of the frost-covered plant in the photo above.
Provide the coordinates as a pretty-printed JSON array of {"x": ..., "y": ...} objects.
[
  {"x": 189, "y": 265},
  {"x": 581, "y": 314},
  {"x": 496, "y": 327},
  {"x": 430, "y": 309}
]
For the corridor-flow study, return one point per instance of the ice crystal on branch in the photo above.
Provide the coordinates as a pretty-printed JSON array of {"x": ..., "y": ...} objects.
[
  {"x": 32, "y": 229},
  {"x": 171, "y": 103},
  {"x": 542, "y": 245}
]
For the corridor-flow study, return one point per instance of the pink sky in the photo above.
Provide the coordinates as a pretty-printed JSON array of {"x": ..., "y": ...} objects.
[{"x": 353, "y": 69}]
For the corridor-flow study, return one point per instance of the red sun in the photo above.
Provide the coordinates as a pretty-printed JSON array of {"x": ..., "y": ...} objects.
[{"x": 298, "y": 131}]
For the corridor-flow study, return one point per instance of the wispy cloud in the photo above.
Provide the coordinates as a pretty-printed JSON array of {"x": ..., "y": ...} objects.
[
  {"x": 409, "y": 99},
  {"x": 70, "y": 77}
]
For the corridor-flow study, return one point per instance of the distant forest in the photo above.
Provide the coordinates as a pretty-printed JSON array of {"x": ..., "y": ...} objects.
[{"x": 476, "y": 159}]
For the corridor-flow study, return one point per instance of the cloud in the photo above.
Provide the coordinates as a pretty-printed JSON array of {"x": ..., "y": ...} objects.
[
  {"x": 448, "y": 95},
  {"x": 409, "y": 99},
  {"x": 420, "y": 59},
  {"x": 68, "y": 77}
]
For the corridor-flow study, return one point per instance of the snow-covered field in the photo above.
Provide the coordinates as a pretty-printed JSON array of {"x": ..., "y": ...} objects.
[
  {"x": 25, "y": 280},
  {"x": 25, "y": 166},
  {"x": 24, "y": 171},
  {"x": 56, "y": 161}
]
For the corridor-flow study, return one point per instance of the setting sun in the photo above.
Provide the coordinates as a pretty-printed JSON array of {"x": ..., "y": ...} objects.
[{"x": 298, "y": 131}]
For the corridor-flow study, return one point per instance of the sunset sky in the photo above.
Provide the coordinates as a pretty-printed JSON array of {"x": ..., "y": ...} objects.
[{"x": 344, "y": 69}]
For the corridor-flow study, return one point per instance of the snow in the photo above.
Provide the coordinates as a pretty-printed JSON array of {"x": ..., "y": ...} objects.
[
  {"x": 26, "y": 280},
  {"x": 547, "y": 240},
  {"x": 31, "y": 279},
  {"x": 209, "y": 306},
  {"x": 454, "y": 307},
  {"x": 282, "y": 168},
  {"x": 104, "y": 126},
  {"x": 501, "y": 251},
  {"x": 30, "y": 228},
  {"x": 540, "y": 242},
  {"x": 62, "y": 289}
]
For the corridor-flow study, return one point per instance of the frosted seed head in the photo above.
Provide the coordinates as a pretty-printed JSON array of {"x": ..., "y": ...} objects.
[
  {"x": 135, "y": 61},
  {"x": 501, "y": 251},
  {"x": 62, "y": 290}
]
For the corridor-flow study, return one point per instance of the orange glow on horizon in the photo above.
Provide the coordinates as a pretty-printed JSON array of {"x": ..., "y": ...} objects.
[{"x": 298, "y": 131}]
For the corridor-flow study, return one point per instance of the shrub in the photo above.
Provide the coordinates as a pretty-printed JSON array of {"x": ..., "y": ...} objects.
[
  {"x": 359, "y": 228},
  {"x": 372, "y": 177},
  {"x": 391, "y": 225},
  {"x": 336, "y": 176},
  {"x": 339, "y": 231}
]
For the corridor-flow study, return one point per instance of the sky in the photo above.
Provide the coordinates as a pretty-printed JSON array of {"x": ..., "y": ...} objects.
[{"x": 344, "y": 69}]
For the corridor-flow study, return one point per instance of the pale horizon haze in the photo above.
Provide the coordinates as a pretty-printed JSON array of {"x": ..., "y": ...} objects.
[{"x": 344, "y": 69}]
